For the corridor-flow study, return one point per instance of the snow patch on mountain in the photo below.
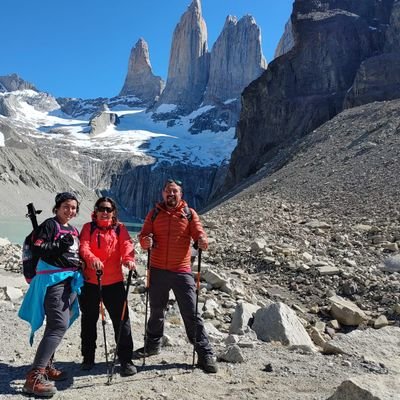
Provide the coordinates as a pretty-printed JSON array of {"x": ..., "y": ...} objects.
[{"x": 136, "y": 133}]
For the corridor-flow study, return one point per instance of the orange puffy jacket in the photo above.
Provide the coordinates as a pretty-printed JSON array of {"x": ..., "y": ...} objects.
[
  {"x": 172, "y": 234},
  {"x": 111, "y": 248}
]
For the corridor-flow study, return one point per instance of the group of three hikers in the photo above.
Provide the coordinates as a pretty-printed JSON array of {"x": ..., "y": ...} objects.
[{"x": 61, "y": 287}]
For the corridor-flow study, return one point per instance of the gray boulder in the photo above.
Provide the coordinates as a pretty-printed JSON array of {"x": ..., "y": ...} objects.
[
  {"x": 346, "y": 312},
  {"x": 365, "y": 388},
  {"x": 243, "y": 314},
  {"x": 375, "y": 346},
  {"x": 101, "y": 121},
  {"x": 391, "y": 264},
  {"x": 279, "y": 323}
]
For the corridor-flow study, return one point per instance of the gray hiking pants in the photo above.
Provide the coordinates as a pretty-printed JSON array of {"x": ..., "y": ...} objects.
[
  {"x": 56, "y": 305},
  {"x": 184, "y": 288}
]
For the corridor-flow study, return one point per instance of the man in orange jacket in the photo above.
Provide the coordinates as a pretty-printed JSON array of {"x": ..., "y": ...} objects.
[{"x": 168, "y": 231}]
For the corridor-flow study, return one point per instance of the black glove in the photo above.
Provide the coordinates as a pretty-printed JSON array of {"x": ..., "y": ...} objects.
[
  {"x": 66, "y": 241},
  {"x": 50, "y": 249},
  {"x": 58, "y": 247}
]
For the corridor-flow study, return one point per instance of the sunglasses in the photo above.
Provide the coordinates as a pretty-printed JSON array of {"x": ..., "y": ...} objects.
[
  {"x": 104, "y": 209},
  {"x": 170, "y": 180}
]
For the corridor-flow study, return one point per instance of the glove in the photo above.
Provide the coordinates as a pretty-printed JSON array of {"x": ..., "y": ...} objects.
[
  {"x": 58, "y": 247},
  {"x": 65, "y": 242}
]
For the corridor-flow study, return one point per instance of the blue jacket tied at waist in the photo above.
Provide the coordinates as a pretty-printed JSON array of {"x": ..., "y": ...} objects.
[{"x": 32, "y": 307}]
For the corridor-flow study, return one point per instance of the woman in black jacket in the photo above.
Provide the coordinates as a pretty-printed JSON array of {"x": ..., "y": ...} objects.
[{"x": 53, "y": 292}]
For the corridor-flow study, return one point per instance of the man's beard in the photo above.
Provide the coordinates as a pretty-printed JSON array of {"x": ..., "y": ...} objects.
[{"x": 171, "y": 202}]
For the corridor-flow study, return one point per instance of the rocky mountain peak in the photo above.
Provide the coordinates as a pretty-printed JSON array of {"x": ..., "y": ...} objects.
[
  {"x": 10, "y": 83},
  {"x": 195, "y": 7},
  {"x": 286, "y": 42},
  {"x": 393, "y": 33},
  {"x": 232, "y": 68},
  {"x": 307, "y": 86},
  {"x": 140, "y": 80},
  {"x": 189, "y": 61}
]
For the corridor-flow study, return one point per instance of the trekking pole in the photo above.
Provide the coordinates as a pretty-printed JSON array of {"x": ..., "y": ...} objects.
[
  {"x": 32, "y": 212},
  {"x": 128, "y": 283},
  {"x": 147, "y": 306},
  {"x": 99, "y": 274},
  {"x": 197, "y": 307}
]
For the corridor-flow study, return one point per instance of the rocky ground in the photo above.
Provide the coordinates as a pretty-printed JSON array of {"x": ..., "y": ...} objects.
[
  {"x": 263, "y": 370},
  {"x": 284, "y": 249}
]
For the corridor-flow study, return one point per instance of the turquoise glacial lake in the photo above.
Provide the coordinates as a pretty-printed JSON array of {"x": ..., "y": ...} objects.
[{"x": 15, "y": 229}]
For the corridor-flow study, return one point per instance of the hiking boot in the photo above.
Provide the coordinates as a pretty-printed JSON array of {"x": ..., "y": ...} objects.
[
  {"x": 55, "y": 374},
  {"x": 87, "y": 364},
  {"x": 150, "y": 351},
  {"x": 127, "y": 369},
  {"x": 208, "y": 364},
  {"x": 37, "y": 384}
]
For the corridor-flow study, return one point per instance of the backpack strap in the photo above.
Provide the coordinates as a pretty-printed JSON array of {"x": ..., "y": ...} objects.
[
  {"x": 93, "y": 227},
  {"x": 155, "y": 213},
  {"x": 60, "y": 230},
  {"x": 186, "y": 212}
]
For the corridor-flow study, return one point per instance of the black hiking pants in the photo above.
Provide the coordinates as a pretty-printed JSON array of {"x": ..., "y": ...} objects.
[
  {"x": 184, "y": 287},
  {"x": 113, "y": 299}
]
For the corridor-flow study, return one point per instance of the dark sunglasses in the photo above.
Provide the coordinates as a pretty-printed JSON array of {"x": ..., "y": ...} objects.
[
  {"x": 170, "y": 180},
  {"x": 104, "y": 209}
]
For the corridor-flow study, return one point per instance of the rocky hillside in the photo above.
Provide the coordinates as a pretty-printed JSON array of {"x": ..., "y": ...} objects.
[
  {"x": 331, "y": 66},
  {"x": 26, "y": 176},
  {"x": 300, "y": 287},
  {"x": 331, "y": 208}
]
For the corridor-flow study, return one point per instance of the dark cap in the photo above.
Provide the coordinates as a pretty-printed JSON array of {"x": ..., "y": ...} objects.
[{"x": 61, "y": 197}]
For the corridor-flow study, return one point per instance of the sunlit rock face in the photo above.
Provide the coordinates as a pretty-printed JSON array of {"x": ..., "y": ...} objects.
[
  {"x": 189, "y": 61},
  {"x": 236, "y": 60},
  {"x": 140, "y": 80}
]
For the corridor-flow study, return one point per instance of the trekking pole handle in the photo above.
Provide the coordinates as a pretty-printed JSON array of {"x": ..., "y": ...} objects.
[
  {"x": 130, "y": 276},
  {"x": 199, "y": 264},
  {"x": 99, "y": 273}
]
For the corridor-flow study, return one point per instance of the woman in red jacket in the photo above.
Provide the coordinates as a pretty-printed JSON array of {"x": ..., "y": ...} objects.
[{"x": 105, "y": 245}]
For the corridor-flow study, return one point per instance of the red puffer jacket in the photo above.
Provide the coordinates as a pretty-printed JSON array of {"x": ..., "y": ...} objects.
[
  {"x": 111, "y": 247},
  {"x": 172, "y": 234}
]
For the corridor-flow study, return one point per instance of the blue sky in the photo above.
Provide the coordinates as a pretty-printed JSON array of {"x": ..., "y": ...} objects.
[{"x": 81, "y": 48}]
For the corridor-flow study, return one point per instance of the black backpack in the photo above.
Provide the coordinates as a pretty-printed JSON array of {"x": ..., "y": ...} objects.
[
  {"x": 186, "y": 213},
  {"x": 29, "y": 259}
]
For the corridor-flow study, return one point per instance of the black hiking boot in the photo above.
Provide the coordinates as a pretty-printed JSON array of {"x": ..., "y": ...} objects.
[
  {"x": 150, "y": 351},
  {"x": 87, "y": 364},
  {"x": 208, "y": 364},
  {"x": 127, "y": 369}
]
